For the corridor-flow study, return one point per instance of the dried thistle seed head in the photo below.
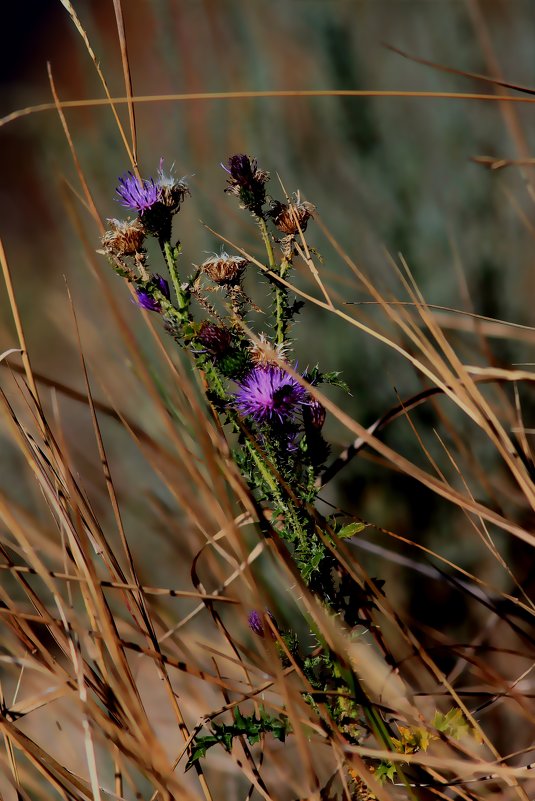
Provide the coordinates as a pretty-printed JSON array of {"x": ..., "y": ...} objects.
[
  {"x": 247, "y": 182},
  {"x": 173, "y": 190},
  {"x": 215, "y": 338},
  {"x": 289, "y": 218},
  {"x": 124, "y": 237},
  {"x": 225, "y": 269},
  {"x": 263, "y": 352}
]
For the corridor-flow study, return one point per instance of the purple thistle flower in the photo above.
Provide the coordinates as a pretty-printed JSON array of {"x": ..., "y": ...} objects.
[
  {"x": 269, "y": 394},
  {"x": 147, "y": 301},
  {"x": 137, "y": 195}
]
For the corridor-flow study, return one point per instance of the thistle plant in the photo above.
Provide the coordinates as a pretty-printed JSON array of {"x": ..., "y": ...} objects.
[{"x": 266, "y": 405}]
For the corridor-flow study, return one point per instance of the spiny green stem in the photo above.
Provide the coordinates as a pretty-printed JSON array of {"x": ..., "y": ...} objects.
[
  {"x": 281, "y": 293},
  {"x": 281, "y": 306},
  {"x": 170, "y": 256},
  {"x": 267, "y": 243},
  {"x": 264, "y": 471},
  {"x": 279, "y": 316}
]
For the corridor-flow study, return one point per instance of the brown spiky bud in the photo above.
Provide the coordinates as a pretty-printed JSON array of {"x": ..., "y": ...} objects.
[
  {"x": 124, "y": 237},
  {"x": 290, "y": 217},
  {"x": 225, "y": 269},
  {"x": 215, "y": 338}
]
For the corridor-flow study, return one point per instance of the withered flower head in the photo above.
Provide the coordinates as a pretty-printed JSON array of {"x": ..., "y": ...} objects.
[
  {"x": 172, "y": 190},
  {"x": 225, "y": 269},
  {"x": 247, "y": 182},
  {"x": 124, "y": 237},
  {"x": 289, "y": 218},
  {"x": 264, "y": 353}
]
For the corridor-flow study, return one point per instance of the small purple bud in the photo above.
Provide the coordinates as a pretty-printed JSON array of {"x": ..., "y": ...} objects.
[
  {"x": 163, "y": 286},
  {"x": 214, "y": 337},
  {"x": 145, "y": 299},
  {"x": 316, "y": 414},
  {"x": 255, "y": 623}
]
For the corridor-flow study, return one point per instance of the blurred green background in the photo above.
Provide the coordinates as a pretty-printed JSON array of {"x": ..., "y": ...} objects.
[{"x": 387, "y": 175}]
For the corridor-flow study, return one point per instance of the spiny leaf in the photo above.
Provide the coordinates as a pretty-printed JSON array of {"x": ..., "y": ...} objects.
[{"x": 249, "y": 726}]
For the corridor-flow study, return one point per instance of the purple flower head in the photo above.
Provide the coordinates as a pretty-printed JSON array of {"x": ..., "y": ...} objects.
[
  {"x": 269, "y": 394},
  {"x": 147, "y": 301},
  {"x": 137, "y": 195}
]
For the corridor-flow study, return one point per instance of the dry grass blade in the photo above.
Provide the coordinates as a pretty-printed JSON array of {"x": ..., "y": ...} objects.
[
  {"x": 109, "y": 101},
  {"x": 18, "y": 325},
  {"x": 246, "y": 95},
  {"x": 127, "y": 75}
]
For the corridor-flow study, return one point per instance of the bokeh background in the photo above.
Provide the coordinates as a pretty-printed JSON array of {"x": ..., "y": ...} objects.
[{"x": 388, "y": 176}]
